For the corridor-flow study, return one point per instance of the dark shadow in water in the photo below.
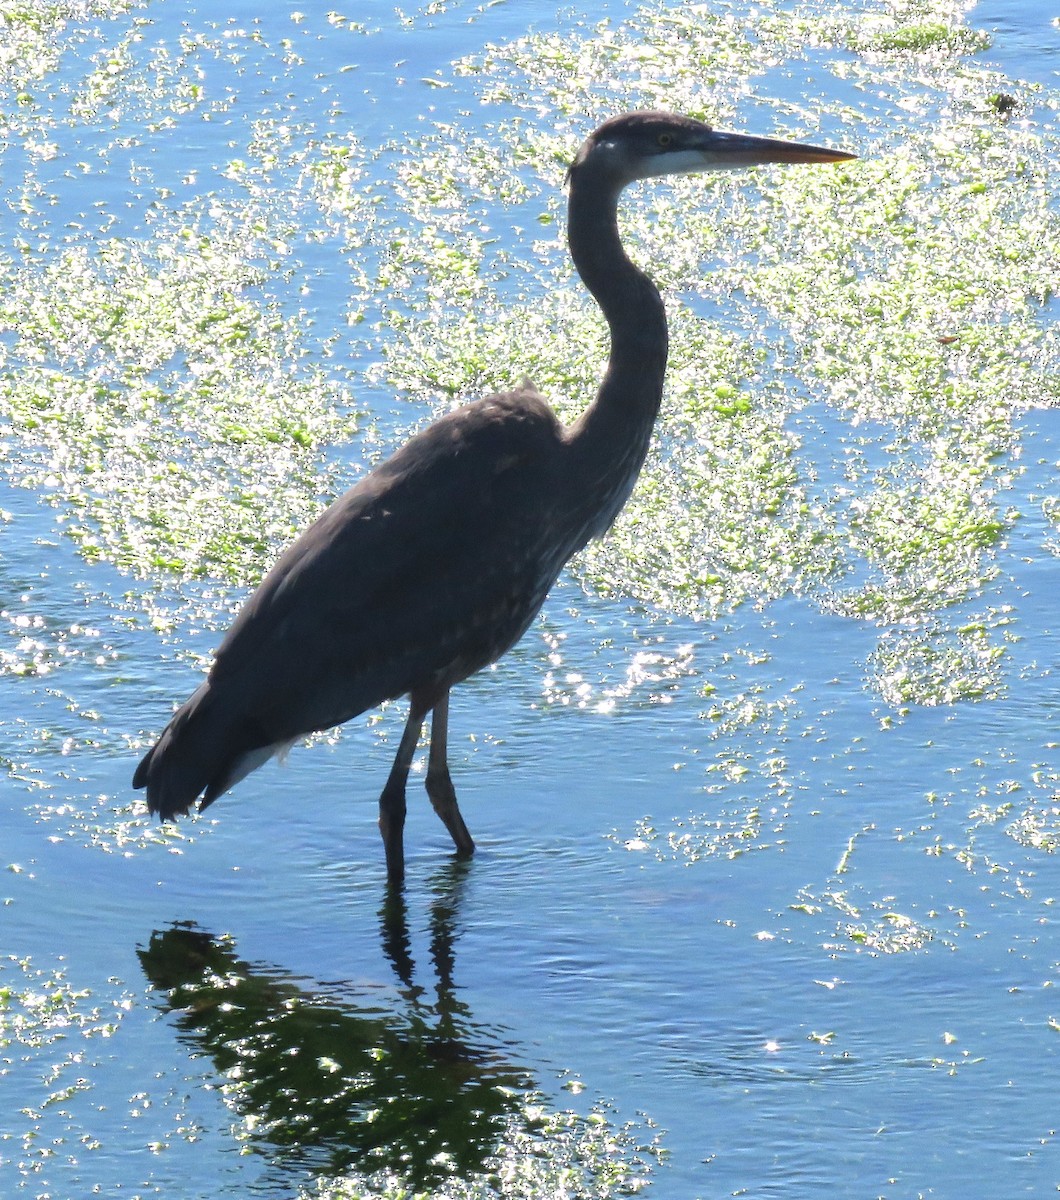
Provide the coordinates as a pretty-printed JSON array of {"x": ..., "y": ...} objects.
[{"x": 335, "y": 1085}]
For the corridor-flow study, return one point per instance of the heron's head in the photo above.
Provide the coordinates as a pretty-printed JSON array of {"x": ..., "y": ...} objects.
[{"x": 641, "y": 145}]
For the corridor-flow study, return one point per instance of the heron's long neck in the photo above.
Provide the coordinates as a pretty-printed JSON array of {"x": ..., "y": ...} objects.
[{"x": 609, "y": 442}]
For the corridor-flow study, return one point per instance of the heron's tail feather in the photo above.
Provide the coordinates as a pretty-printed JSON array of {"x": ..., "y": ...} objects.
[{"x": 204, "y": 750}]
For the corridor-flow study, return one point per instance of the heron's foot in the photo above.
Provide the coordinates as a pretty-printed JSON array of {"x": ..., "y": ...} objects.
[
  {"x": 392, "y": 827},
  {"x": 443, "y": 797}
]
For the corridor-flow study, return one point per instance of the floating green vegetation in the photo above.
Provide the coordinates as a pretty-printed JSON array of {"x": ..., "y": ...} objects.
[
  {"x": 730, "y": 830},
  {"x": 163, "y": 404},
  {"x": 47, "y": 1027},
  {"x": 96, "y": 823},
  {"x": 937, "y": 666},
  {"x": 874, "y": 925},
  {"x": 926, "y": 37},
  {"x": 1037, "y": 829},
  {"x": 152, "y": 386},
  {"x": 40, "y": 1008},
  {"x": 721, "y": 515},
  {"x": 34, "y": 34},
  {"x": 704, "y": 59},
  {"x": 746, "y": 709},
  {"x": 747, "y": 726},
  {"x": 1035, "y": 824},
  {"x": 544, "y": 1152}
]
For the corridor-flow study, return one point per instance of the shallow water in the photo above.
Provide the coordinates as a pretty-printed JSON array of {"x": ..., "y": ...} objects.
[{"x": 728, "y": 891}]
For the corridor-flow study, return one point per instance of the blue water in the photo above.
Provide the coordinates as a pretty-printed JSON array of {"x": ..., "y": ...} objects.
[{"x": 744, "y": 1003}]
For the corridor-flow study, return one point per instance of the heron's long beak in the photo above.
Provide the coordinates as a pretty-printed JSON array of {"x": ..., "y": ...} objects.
[{"x": 722, "y": 149}]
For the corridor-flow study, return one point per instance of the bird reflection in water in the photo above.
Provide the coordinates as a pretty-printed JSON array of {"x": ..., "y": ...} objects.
[{"x": 330, "y": 1085}]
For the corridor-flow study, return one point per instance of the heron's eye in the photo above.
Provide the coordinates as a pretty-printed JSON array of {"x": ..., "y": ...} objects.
[{"x": 665, "y": 140}]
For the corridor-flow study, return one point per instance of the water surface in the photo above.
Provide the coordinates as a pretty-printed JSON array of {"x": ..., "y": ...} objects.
[{"x": 773, "y": 911}]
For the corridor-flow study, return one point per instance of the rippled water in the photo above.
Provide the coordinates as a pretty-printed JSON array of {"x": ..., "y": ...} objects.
[{"x": 767, "y": 927}]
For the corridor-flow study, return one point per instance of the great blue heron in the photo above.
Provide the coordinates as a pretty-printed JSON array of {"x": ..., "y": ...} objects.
[{"x": 434, "y": 565}]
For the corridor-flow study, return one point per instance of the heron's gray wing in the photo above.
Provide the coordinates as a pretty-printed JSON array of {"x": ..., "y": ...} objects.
[{"x": 431, "y": 567}]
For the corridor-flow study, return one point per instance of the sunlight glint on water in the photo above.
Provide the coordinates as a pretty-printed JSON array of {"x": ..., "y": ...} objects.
[{"x": 752, "y": 890}]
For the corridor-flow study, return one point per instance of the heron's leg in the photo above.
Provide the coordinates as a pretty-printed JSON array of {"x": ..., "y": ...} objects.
[
  {"x": 392, "y": 801},
  {"x": 440, "y": 785}
]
